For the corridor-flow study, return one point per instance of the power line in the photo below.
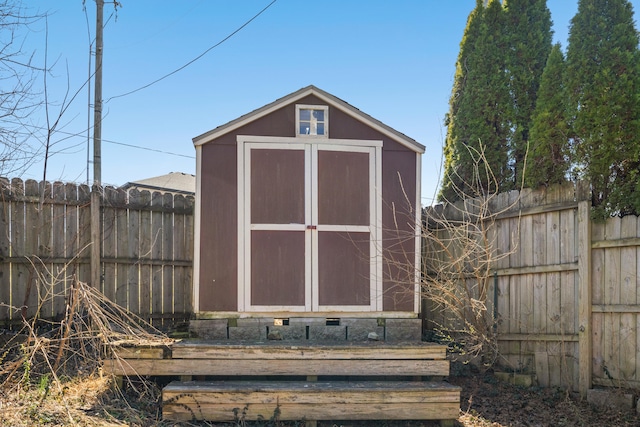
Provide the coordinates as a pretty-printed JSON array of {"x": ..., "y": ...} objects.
[
  {"x": 80, "y": 135},
  {"x": 196, "y": 58},
  {"x": 148, "y": 149}
]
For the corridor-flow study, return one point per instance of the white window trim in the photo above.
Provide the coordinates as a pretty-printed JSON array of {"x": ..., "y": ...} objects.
[{"x": 324, "y": 108}]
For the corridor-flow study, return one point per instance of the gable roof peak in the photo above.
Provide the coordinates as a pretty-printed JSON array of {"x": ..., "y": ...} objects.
[{"x": 299, "y": 94}]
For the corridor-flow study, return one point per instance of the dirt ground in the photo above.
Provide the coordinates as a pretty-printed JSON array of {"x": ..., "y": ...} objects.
[{"x": 485, "y": 402}]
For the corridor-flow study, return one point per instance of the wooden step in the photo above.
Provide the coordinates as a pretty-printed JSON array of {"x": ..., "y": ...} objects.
[
  {"x": 307, "y": 350},
  {"x": 336, "y": 400},
  {"x": 257, "y": 359},
  {"x": 225, "y": 367}
]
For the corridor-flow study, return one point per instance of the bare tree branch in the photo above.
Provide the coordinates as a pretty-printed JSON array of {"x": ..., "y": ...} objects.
[{"x": 19, "y": 98}]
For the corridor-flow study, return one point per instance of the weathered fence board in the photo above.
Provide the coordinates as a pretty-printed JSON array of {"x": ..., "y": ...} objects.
[
  {"x": 156, "y": 253},
  {"x": 59, "y": 248},
  {"x": 109, "y": 245},
  {"x": 5, "y": 271},
  {"x": 146, "y": 243},
  {"x": 132, "y": 251},
  {"x": 167, "y": 254},
  {"x": 83, "y": 234},
  {"x": 179, "y": 249},
  {"x": 146, "y": 247}
]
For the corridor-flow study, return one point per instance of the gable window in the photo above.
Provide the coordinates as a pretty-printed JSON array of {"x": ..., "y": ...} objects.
[{"x": 312, "y": 120}]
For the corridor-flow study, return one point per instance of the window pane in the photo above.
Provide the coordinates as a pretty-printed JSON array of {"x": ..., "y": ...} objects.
[{"x": 312, "y": 121}]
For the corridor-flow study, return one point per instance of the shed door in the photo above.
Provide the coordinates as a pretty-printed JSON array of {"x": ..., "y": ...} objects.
[
  {"x": 309, "y": 215},
  {"x": 343, "y": 211}
]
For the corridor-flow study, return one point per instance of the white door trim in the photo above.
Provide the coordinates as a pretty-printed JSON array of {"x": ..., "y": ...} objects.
[{"x": 311, "y": 146}]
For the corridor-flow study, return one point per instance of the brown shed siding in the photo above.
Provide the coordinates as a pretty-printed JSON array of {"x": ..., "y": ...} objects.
[
  {"x": 277, "y": 268},
  {"x": 279, "y": 123},
  {"x": 397, "y": 230},
  {"x": 218, "y": 238},
  {"x": 343, "y": 268},
  {"x": 219, "y": 229},
  {"x": 277, "y": 187},
  {"x": 343, "y": 188}
]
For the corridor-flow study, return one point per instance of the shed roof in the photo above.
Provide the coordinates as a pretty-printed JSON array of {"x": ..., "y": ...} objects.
[{"x": 299, "y": 94}]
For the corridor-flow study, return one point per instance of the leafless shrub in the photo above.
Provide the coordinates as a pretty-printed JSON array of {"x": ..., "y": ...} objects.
[
  {"x": 459, "y": 257},
  {"x": 45, "y": 357},
  {"x": 460, "y": 254}
]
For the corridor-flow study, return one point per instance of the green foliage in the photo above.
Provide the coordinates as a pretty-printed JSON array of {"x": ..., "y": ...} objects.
[
  {"x": 502, "y": 56},
  {"x": 453, "y": 170},
  {"x": 513, "y": 94},
  {"x": 44, "y": 384},
  {"x": 479, "y": 100},
  {"x": 603, "y": 83},
  {"x": 529, "y": 38},
  {"x": 548, "y": 158}
]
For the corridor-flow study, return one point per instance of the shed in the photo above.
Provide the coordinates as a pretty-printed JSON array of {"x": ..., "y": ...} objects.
[{"x": 307, "y": 207}]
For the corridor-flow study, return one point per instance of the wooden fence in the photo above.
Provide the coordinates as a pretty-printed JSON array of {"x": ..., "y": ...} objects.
[
  {"x": 568, "y": 289},
  {"x": 146, "y": 246}
]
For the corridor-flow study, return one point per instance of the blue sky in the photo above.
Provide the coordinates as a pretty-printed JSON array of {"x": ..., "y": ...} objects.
[{"x": 394, "y": 60}]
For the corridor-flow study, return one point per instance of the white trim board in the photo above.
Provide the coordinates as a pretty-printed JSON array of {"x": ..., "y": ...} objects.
[{"x": 196, "y": 231}]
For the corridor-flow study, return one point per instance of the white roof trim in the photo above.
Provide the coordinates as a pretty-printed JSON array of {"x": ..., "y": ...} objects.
[{"x": 324, "y": 96}]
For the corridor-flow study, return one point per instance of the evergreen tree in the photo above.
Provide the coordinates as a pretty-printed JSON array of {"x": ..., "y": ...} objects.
[
  {"x": 548, "y": 157},
  {"x": 603, "y": 85},
  {"x": 529, "y": 39},
  {"x": 455, "y": 159},
  {"x": 476, "y": 131}
]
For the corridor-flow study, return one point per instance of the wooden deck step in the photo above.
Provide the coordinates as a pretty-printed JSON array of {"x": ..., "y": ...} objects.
[
  {"x": 335, "y": 400},
  {"x": 215, "y": 359},
  {"x": 133, "y": 367},
  {"x": 307, "y": 350}
]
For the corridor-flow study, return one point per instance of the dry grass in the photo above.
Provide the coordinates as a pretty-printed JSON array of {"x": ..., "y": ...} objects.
[
  {"x": 87, "y": 401},
  {"x": 50, "y": 372}
]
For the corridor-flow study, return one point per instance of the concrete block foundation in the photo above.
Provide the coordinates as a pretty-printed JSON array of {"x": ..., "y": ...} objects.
[
  {"x": 403, "y": 330},
  {"x": 312, "y": 328}
]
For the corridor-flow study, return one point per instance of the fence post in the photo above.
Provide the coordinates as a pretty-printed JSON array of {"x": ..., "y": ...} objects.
[
  {"x": 584, "y": 297},
  {"x": 96, "y": 242}
]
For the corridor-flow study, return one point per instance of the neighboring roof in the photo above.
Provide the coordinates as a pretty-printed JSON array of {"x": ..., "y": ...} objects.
[
  {"x": 174, "y": 182},
  {"x": 326, "y": 97}
]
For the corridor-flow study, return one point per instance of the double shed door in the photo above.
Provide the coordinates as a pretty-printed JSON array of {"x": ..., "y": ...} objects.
[{"x": 310, "y": 226}]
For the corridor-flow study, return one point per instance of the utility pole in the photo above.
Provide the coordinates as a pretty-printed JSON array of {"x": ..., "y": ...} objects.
[
  {"x": 96, "y": 275},
  {"x": 97, "y": 101}
]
